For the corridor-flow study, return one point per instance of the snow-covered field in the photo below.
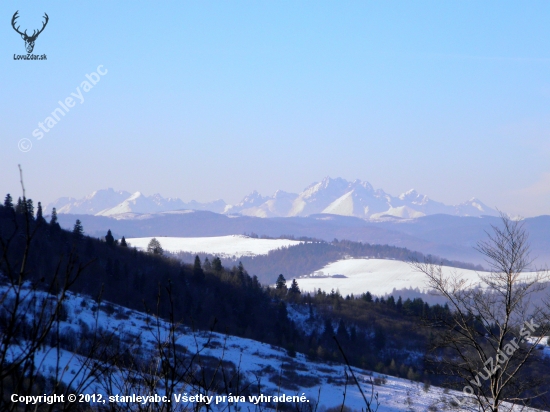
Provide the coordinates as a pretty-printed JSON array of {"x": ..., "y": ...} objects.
[
  {"x": 222, "y": 246},
  {"x": 377, "y": 276}
]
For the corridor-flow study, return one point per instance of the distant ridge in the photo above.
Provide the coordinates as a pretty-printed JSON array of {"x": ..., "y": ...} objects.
[
  {"x": 109, "y": 202},
  {"x": 329, "y": 196}
]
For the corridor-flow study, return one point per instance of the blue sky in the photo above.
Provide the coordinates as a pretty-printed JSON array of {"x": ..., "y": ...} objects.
[{"x": 206, "y": 100}]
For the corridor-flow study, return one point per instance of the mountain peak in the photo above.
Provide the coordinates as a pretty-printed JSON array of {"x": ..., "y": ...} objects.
[
  {"x": 135, "y": 196},
  {"x": 474, "y": 207},
  {"x": 330, "y": 196},
  {"x": 366, "y": 185},
  {"x": 411, "y": 193},
  {"x": 253, "y": 196}
]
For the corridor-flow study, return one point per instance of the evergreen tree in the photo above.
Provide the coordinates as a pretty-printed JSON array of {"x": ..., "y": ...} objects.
[
  {"x": 29, "y": 208},
  {"x": 207, "y": 267},
  {"x": 53, "y": 220},
  {"x": 341, "y": 331},
  {"x": 155, "y": 248},
  {"x": 368, "y": 297},
  {"x": 123, "y": 242},
  {"x": 425, "y": 310},
  {"x": 241, "y": 269},
  {"x": 281, "y": 283},
  {"x": 217, "y": 264},
  {"x": 197, "y": 268},
  {"x": 21, "y": 206},
  {"x": 78, "y": 230},
  {"x": 39, "y": 214},
  {"x": 109, "y": 239},
  {"x": 8, "y": 201},
  {"x": 294, "y": 289}
]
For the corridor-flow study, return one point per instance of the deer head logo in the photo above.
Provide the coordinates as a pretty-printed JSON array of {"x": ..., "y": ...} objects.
[{"x": 29, "y": 40}]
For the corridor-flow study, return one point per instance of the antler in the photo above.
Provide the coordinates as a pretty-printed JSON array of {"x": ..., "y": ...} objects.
[
  {"x": 34, "y": 33},
  {"x": 15, "y": 16},
  {"x": 43, "y": 26}
]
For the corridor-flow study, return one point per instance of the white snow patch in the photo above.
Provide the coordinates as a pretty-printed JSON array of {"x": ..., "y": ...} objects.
[
  {"x": 232, "y": 245},
  {"x": 377, "y": 276}
]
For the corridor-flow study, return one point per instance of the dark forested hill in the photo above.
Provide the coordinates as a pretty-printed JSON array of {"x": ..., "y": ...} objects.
[
  {"x": 451, "y": 237},
  {"x": 202, "y": 295},
  {"x": 307, "y": 257}
]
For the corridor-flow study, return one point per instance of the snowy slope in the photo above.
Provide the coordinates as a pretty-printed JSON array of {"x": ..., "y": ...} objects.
[
  {"x": 228, "y": 246},
  {"x": 139, "y": 203},
  {"x": 255, "y": 205},
  {"x": 361, "y": 201},
  {"x": 267, "y": 367},
  {"x": 91, "y": 204},
  {"x": 249, "y": 202},
  {"x": 318, "y": 196},
  {"x": 472, "y": 207},
  {"x": 404, "y": 212},
  {"x": 377, "y": 276},
  {"x": 136, "y": 203}
]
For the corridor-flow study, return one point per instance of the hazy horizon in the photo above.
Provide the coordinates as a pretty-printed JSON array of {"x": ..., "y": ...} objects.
[
  {"x": 244, "y": 195},
  {"x": 203, "y": 101}
]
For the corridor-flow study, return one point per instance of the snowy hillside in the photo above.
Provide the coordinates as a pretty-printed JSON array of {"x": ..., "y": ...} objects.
[
  {"x": 267, "y": 369},
  {"x": 222, "y": 246},
  {"x": 377, "y": 276}
]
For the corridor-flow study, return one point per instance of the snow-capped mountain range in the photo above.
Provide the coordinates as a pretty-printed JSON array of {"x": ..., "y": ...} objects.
[
  {"x": 331, "y": 196},
  {"x": 109, "y": 202}
]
